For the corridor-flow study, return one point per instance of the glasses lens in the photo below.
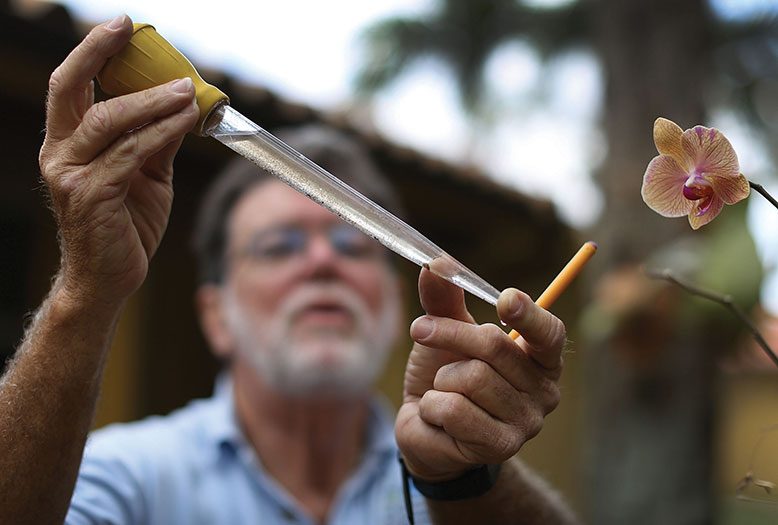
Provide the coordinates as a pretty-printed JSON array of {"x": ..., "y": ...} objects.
[
  {"x": 278, "y": 244},
  {"x": 350, "y": 242}
]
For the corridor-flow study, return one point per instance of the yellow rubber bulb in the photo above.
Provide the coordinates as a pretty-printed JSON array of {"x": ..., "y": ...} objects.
[{"x": 149, "y": 60}]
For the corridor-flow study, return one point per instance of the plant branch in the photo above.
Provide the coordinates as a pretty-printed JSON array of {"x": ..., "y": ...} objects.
[
  {"x": 724, "y": 300},
  {"x": 750, "y": 478},
  {"x": 760, "y": 189}
]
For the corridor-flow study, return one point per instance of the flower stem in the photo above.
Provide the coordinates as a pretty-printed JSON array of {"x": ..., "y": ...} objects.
[
  {"x": 724, "y": 300},
  {"x": 760, "y": 189}
]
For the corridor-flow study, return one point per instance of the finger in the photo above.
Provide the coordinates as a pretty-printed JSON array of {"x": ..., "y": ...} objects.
[
  {"x": 71, "y": 82},
  {"x": 484, "y": 386},
  {"x": 106, "y": 121},
  {"x": 486, "y": 343},
  {"x": 160, "y": 165},
  {"x": 442, "y": 298},
  {"x": 148, "y": 210},
  {"x": 126, "y": 155},
  {"x": 427, "y": 449},
  {"x": 544, "y": 332},
  {"x": 480, "y": 437}
]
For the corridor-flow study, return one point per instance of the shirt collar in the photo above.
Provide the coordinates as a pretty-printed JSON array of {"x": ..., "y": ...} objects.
[{"x": 223, "y": 430}]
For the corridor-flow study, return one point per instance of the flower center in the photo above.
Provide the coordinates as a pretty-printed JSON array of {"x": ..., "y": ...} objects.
[{"x": 696, "y": 188}]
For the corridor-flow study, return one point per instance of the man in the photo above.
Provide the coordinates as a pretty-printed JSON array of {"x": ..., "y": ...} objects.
[{"x": 302, "y": 308}]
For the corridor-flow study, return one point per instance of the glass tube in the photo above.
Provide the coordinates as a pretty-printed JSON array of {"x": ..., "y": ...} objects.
[{"x": 243, "y": 136}]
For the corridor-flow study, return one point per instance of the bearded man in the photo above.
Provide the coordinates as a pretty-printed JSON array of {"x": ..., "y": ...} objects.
[{"x": 301, "y": 307}]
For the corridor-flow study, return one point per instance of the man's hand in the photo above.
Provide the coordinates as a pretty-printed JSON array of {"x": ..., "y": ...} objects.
[
  {"x": 473, "y": 395},
  {"x": 108, "y": 168}
]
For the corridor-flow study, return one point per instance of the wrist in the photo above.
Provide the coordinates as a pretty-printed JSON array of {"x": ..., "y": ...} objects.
[
  {"x": 68, "y": 337},
  {"x": 471, "y": 483},
  {"x": 81, "y": 293},
  {"x": 73, "y": 299},
  {"x": 429, "y": 473}
]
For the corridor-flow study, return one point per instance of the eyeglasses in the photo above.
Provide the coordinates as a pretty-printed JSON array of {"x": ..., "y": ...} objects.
[{"x": 283, "y": 243}]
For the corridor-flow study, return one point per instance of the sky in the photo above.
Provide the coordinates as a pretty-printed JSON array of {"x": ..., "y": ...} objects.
[{"x": 544, "y": 150}]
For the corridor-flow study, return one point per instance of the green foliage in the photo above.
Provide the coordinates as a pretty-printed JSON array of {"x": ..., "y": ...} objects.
[
  {"x": 732, "y": 265},
  {"x": 462, "y": 34},
  {"x": 722, "y": 259}
]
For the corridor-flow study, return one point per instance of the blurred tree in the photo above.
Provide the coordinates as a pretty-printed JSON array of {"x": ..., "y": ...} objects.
[
  {"x": 463, "y": 34},
  {"x": 649, "y": 442}
]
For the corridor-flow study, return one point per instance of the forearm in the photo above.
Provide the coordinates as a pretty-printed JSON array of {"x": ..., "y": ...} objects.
[
  {"x": 47, "y": 400},
  {"x": 519, "y": 497}
]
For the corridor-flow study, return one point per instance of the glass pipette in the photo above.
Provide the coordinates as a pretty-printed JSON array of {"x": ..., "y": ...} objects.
[
  {"x": 150, "y": 60},
  {"x": 254, "y": 143}
]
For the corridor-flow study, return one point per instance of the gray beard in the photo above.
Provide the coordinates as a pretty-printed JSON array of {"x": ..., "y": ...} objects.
[{"x": 319, "y": 363}]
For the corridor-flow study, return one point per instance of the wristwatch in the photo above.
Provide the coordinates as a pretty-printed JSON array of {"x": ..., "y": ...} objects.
[{"x": 471, "y": 484}]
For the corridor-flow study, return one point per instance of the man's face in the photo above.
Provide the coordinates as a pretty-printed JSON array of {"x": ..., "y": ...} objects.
[{"x": 311, "y": 303}]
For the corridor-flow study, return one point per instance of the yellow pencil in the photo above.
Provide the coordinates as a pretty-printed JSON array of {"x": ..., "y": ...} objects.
[{"x": 565, "y": 277}]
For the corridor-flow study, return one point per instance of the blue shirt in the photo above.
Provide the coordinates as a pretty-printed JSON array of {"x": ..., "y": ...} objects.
[{"x": 195, "y": 466}]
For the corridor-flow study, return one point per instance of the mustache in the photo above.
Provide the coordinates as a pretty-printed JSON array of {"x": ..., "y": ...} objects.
[{"x": 324, "y": 294}]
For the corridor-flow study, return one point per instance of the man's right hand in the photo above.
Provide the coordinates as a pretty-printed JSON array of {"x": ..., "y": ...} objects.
[{"x": 109, "y": 169}]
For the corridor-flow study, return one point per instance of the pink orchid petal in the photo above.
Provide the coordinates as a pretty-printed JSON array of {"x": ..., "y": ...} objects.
[
  {"x": 662, "y": 187},
  {"x": 728, "y": 189},
  {"x": 698, "y": 217},
  {"x": 711, "y": 153},
  {"x": 667, "y": 137}
]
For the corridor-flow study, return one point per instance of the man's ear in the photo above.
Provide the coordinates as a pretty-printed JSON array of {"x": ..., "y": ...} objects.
[{"x": 210, "y": 308}]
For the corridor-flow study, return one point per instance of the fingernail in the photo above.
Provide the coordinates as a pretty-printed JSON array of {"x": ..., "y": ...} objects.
[
  {"x": 182, "y": 85},
  {"x": 422, "y": 328},
  {"x": 514, "y": 306},
  {"x": 116, "y": 23}
]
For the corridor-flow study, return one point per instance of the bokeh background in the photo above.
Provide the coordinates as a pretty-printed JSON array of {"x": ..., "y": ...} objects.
[{"x": 513, "y": 130}]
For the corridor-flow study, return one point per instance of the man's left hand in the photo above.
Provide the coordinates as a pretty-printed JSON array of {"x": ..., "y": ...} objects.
[{"x": 472, "y": 394}]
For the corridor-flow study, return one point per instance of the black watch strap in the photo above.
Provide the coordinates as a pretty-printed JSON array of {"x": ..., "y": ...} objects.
[{"x": 471, "y": 484}]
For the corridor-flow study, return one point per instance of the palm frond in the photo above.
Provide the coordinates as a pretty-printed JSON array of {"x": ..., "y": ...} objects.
[{"x": 390, "y": 47}]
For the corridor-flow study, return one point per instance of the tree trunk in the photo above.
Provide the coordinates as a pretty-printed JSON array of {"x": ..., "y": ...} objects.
[{"x": 649, "y": 380}]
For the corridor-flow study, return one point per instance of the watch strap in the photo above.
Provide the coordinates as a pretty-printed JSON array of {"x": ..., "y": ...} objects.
[{"x": 471, "y": 484}]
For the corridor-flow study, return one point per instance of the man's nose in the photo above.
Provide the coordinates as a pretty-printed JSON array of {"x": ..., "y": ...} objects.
[{"x": 321, "y": 254}]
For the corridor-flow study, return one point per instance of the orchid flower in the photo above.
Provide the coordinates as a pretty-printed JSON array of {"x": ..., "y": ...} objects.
[{"x": 696, "y": 173}]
